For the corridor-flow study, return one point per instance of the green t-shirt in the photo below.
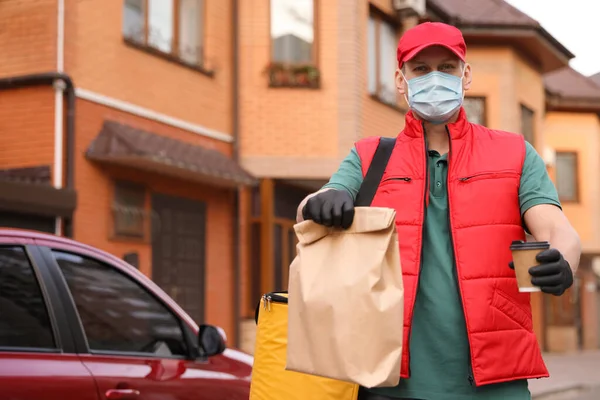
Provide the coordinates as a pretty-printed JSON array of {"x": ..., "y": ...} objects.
[{"x": 439, "y": 348}]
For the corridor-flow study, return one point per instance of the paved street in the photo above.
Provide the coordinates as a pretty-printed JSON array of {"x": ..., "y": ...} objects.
[
  {"x": 578, "y": 372},
  {"x": 575, "y": 394},
  {"x": 593, "y": 394}
]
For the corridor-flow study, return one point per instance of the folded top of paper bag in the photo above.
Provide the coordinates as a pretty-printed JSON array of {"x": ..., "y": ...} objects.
[{"x": 366, "y": 219}]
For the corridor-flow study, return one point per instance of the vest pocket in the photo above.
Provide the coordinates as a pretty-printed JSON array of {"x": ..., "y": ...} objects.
[
  {"x": 511, "y": 309},
  {"x": 488, "y": 175},
  {"x": 397, "y": 178}
]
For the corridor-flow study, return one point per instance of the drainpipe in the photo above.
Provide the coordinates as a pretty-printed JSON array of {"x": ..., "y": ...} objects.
[
  {"x": 59, "y": 86},
  {"x": 235, "y": 124},
  {"x": 51, "y": 79}
]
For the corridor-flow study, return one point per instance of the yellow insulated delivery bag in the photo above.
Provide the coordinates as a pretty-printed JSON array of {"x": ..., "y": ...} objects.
[{"x": 270, "y": 380}]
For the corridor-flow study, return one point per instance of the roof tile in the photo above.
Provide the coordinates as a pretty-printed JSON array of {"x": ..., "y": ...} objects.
[
  {"x": 117, "y": 141},
  {"x": 485, "y": 12},
  {"x": 39, "y": 174},
  {"x": 569, "y": 83}
]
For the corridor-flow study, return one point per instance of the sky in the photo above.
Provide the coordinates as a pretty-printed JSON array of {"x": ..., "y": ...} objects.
[{"x": 574, "y": 23}]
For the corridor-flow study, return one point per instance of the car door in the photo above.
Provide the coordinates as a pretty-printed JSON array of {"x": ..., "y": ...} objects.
[
  {"x": 137, "y": 347},
  {"x": 36, "y": 352}
]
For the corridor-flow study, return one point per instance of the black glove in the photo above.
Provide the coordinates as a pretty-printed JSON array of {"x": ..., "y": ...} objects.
[
  {"x": 553, "y": 275},
  {"x": 330, "y": 208}
]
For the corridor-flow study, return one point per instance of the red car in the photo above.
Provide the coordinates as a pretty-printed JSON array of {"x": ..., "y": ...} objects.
[{"x": 78, "y": 323}]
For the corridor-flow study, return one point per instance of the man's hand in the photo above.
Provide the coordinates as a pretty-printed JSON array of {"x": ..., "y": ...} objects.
[
  {"x": 330, "y": 208},
  {"x": 553, "y": 275}
]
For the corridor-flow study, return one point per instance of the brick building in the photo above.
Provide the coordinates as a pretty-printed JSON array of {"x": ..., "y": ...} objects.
[
  {"x": 572, "y": 131},
  {"x": 118, "y": 130}
]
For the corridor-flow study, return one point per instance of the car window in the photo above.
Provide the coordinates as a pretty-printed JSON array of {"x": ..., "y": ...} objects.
[
  {"x": 24, "y": 320},
  {"x": 117, "y": 313}
]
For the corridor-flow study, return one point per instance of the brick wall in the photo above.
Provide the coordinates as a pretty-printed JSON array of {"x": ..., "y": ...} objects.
[
  {"x": 100, "y": 61},
  {"x": 27, "y": 127},
  {"x": 27, "y": 45},
  {"x": 299, "y": 133},
  {"x": 27, "y": 36},
  {"x": 95, "y": 186},
  {"x": 350, "y": 72},
  {"x": 95, "y": 189},
  {"x": 288, "y": 128},
  {"x": 379, "y": 119}
]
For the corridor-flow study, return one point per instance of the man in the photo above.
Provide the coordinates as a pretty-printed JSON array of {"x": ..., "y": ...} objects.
[{"x": 468, "y": 332}]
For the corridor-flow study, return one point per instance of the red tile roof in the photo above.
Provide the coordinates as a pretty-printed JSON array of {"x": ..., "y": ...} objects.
[
  {"x": 568, "y": 83},
  {"x": 497, "y": 15},
  {"x": 565, "y": 82},
  {"x": 128, "y": 145},
  {"x": 483, "y": 12},
  {"x": 39, "y": 174}
]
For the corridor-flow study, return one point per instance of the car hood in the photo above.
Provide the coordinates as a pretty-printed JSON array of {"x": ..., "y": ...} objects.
[{"x": 239, "y": 356}]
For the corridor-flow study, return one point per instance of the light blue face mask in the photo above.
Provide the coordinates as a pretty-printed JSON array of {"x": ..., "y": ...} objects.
[{"x": 435, "y": 97}]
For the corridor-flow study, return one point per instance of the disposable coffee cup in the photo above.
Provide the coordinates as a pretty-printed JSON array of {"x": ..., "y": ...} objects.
[{"x": 524, "y": 254}]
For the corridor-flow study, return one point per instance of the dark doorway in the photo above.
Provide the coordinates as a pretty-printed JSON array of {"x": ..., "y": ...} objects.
[
  {"x": 40, "y": 223},
  {"x": 179, "y": 251}
]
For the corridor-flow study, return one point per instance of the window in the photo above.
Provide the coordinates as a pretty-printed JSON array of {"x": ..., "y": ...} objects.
[
  {"x": 128, "y": 210},
  {"x": 528, "y": 124},
  {"x": 293, "y": 51},
  {"x": 173, "y": 27},
  {"x": 190, "y": 22},
  {"x": 382, "y": 44},
  {"x": 293, "y": 31},
  {"x": 475, "y": 109},
  {"x": 24, "y": 320},
  {"x": 134, "y": 20},
  {"x": 161, "y": 24},
  {"x": 566, "y": 176},
  {"x": 272, "y": 237},
  {"x": 284, "y": 251},
  {"x": 117, "y": 314}
]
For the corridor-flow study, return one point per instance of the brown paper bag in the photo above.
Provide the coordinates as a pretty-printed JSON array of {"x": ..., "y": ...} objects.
[{"x": 346, "y": 301}]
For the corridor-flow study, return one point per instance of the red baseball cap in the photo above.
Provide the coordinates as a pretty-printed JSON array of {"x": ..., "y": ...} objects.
[{"x": 430, "y": 34}]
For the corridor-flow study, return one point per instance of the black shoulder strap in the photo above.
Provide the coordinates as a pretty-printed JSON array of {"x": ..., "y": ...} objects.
[{"x": 375, "y": 172}]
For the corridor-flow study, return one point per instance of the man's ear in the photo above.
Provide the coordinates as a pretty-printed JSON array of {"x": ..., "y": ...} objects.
[
  {"x": 400, "y": 82},
  {"x": 468, "y": 77}
]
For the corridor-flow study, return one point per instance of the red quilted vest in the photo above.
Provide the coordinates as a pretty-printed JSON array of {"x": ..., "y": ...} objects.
[{"x": 484, "y": 172}]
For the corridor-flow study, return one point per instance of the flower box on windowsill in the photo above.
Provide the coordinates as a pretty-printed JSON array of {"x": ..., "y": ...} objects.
[{"x": 293, "y": 76}]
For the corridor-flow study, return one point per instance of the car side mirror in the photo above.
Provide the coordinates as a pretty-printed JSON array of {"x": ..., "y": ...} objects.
[{"x": 210, "y": 341}]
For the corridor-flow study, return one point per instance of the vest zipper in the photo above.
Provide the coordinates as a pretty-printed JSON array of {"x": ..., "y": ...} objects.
[
  {"x": 422, "y": 235},
  {"x": 488, "y": 175},
  {"x": 405, "y": 179},
  {"x": 471, "y": 377}
]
